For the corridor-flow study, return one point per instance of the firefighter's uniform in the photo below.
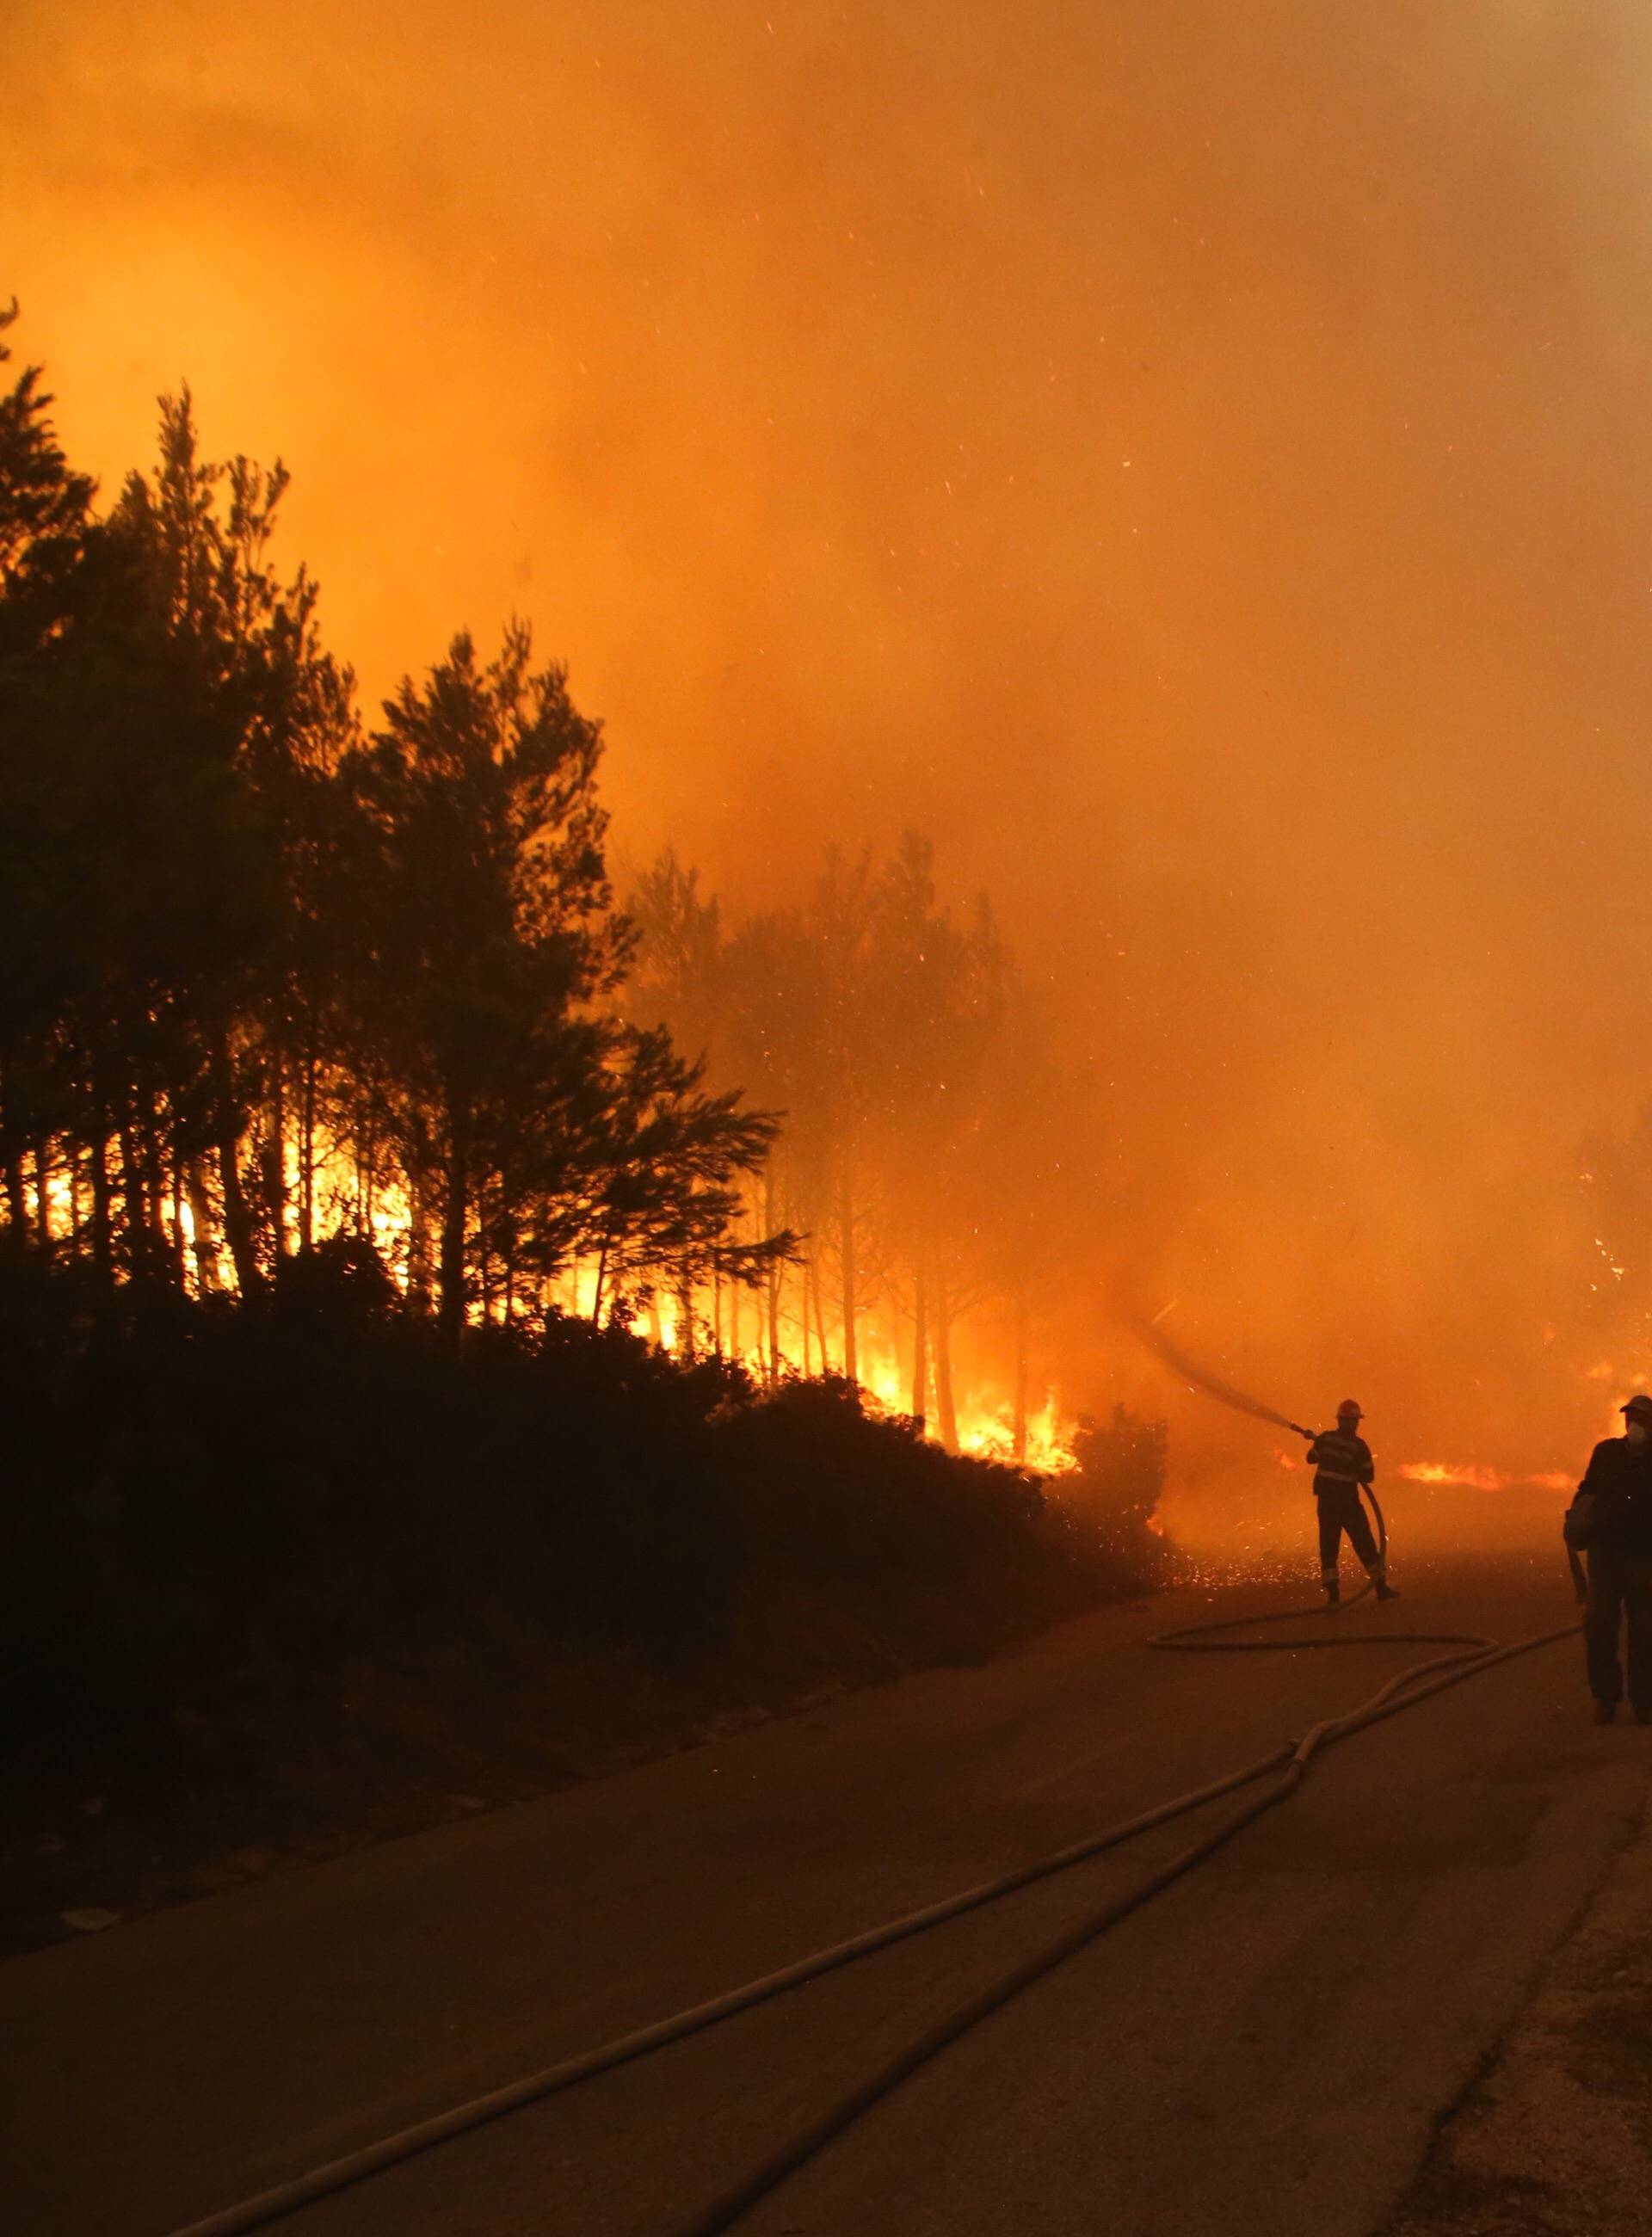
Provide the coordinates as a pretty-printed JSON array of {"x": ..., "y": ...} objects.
[
  {"x": 1616, "y": 1496},
  {"x": 1341, "y": 1461}
]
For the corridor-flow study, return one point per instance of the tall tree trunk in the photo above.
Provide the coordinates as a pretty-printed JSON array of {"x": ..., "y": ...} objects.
[
  {"x": 449, "y": 1304},
  {"x": 920, "y": 1346},
  {"x": 820, "y": 1316},
  {"x": 167, "y": 1241},
  {"x": 175, "y": 1223},
  {"x": 943, "y": 1370},
  {"x": 417, "y": 1247},
  {"x": 366, "y": 1178},
  {"x": 1018, "y": 1446},
  {"x": 241, "y": 1230},
  {"x": 16, "y": 1198},
  {"x": 772, "y": 1277},
  {"x": 306, "y": 1147},
  {"x": 846, "y": 1230},
  {"x": 206, "y": 1247},
  {"x": 484, "y": 1256},
  {"x": 273, "y": 1159},
  {"x": 138, "y": 1235},
  {"x": 685, "y": 1341},
  {"x": 103, "y": 1224},
  {"x": 42, "y": 1191},
  {"x": 602, "y": 1272},
  {"x": 656, "y": 1333}
]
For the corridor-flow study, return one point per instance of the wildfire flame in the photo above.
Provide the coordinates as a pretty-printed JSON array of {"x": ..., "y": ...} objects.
[
  {"x": 985, "y": 1417},
  {"x": 1474, "y": 1478},
  {"x": 985, "y": 1420},
  {"x": 1468, "y": 1475}
]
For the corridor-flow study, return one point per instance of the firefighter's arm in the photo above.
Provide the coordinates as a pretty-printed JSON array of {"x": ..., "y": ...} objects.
[{"x": 1578, "y": 1525}]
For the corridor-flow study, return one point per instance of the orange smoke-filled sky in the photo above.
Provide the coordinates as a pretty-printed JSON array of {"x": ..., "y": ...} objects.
[{"x": 1191, "y": 458}]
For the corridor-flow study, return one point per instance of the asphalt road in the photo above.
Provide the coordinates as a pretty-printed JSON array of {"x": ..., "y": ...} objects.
[{"x": 1264, "y": 2047}]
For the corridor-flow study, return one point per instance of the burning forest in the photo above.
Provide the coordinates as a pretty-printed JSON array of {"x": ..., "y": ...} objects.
[
  {"x": 930, "y": 1142},
  {"x": 1298, "y": 755},
  {"x": 889, "y": 927},
  {"x": 414, "y": 1260},
  {"x": 320, "y": 987}
]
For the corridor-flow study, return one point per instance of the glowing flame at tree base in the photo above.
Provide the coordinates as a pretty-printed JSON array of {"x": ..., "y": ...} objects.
[{"x": 1041, "y": 1441}]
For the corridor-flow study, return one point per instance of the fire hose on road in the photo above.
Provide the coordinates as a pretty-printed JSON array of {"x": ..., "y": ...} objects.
[{"x": 1283, "y": 1770}]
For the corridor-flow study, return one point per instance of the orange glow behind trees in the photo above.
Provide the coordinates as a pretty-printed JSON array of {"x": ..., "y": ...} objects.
[{"x": 1190, "y": 462}]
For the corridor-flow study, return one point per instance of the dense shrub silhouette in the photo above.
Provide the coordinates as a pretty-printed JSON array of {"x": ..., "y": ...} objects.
[{"x": 211, "y": 1507}]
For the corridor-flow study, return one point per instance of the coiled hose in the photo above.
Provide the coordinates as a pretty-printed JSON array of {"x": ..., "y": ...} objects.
[{"x": 1204, "y": 1638}]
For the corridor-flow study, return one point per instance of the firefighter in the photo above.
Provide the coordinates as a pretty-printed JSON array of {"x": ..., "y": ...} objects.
[
  {"x": 1341, "y": 1461},
  {"x": 1611, "y": 1520}
]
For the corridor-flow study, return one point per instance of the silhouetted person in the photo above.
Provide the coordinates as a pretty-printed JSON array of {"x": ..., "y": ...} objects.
[
  {"x": 1611, "y": 1520},
  {"x": 1341, "y": 1461}
]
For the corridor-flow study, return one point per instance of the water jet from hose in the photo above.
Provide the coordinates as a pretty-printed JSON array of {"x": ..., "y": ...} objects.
[
  {"x": 1150, "y": 1334},
  {"x": 1242, "y": 1402}
]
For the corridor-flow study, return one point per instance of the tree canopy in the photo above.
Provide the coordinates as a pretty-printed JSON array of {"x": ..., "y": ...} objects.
[{"x": 275, "y": 978}]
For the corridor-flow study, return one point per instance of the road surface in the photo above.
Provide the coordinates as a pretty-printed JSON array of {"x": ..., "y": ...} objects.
[{"x": 1264, "y": 2049}]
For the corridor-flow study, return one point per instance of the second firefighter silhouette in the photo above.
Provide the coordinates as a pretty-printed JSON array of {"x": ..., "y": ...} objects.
[{"x": 1341, "y": 1461}]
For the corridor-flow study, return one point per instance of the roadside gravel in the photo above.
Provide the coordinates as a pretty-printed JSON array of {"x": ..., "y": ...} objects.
[{"x": 1555, "y": 2138}]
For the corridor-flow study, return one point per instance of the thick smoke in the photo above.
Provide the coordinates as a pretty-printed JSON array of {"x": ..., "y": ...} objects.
[{"x": 1192, "y": 460}]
